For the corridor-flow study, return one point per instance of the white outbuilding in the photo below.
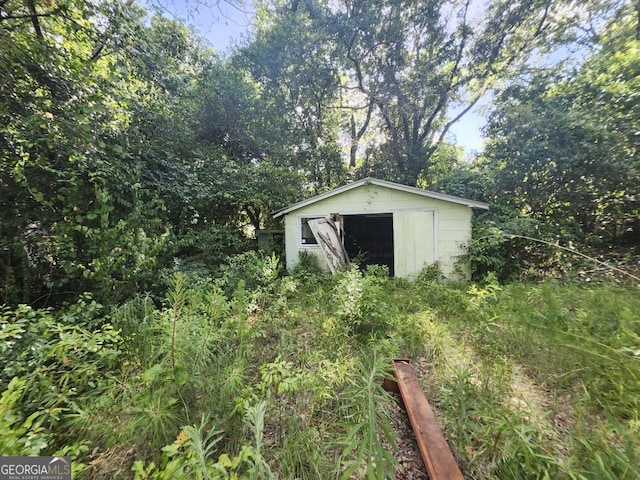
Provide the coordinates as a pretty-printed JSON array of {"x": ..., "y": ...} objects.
[{"x": 383, "y": 223}]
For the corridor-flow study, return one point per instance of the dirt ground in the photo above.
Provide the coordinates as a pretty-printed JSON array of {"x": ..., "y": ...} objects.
[{"x": 410, "y": 465}]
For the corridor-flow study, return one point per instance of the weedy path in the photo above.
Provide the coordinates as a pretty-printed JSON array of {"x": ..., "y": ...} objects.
[{"x": 550, "y": 416}]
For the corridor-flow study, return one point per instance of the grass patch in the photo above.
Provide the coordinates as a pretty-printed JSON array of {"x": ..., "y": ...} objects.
[
  {"x": 574, "y": 350},
  {"x": 282, "y": 380}
]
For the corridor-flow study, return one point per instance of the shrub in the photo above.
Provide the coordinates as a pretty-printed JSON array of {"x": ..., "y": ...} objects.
[
  {"x": 19, "y": 435},
  {"x": 360, "y": 302},
  {"x": 50, "y": 364},
  {"x": 494, "y": 249},
  {"x": 249, "y": 270},
  {"x": 62, "y": 357}
]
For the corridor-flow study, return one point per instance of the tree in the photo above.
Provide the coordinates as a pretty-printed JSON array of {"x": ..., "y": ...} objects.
[
  {"x": 126, "y": 144},
  {"x": 100, "y": 156},
  {"x": 65, "y": 176},
  {"x": 564, "y": 149},
  {"x": 397, "y": 76},
  {"x": 290, "y": 62}
]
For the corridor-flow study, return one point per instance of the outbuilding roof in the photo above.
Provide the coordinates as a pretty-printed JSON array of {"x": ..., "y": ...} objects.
[{"x": 385, "y": 184}]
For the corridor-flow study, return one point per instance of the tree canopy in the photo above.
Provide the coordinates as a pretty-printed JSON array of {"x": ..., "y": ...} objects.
[
  {"x": 564, "y": 147},
  {"x": 129, "y": 147},
  {"x": 387, "y": 80}
]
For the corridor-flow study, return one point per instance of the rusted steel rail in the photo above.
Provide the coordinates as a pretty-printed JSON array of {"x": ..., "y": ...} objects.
[{"x": 433, "y": 447}]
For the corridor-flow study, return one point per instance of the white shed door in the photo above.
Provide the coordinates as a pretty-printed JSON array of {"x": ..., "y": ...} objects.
[
  {"x": 328, "y": 236},
  {"x": 413, "y": 242}
]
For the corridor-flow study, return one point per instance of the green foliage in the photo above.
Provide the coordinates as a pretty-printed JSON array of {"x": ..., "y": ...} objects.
[
  {"x": 51, "y": 363},
  {"x": 608, "y": 452},
  {"x": 307, "y": 263},
  {"x": 154, "y": 412},
  {"x": 481, "y": 424},
  {"x": 182, "y": 340},
  {"x": 202, "y": 443},
  {"x": 249, "y": 271},
  {"x": 566, "y": 336},
  {"x": 190, "y": 455},
  {"x": 579, "y": 333},
  {"x": 59, "y": 357},
  {"x": 380, "y": 272},
  {"x": 95, "y": 199},
  {"x": 279, "y": 377},
  {"x": 299, "y": 85},
  {"x": 360, "y": 305},
  {"x": 497, "y": 247},
  {"x": 134, "y": 160},
  {"x": 429, "y": 274},
  {"x": 254, "y": 420},
  {"x": 366, "y": 421},
  {"x": 70, "y": 187},
  {"x": 467, "y": 181},
  {"x": 202, "y": 251},
  {"x": 307, "y": 271},
  {"x": 279, "y": 401},
  {"x": 285, "y": 383},
  {"x": 334, "y": 83},
  {"x": 19, "y": 436},
  {"x": 169, "y": 352},
  {"x": 563, "y": 149}
]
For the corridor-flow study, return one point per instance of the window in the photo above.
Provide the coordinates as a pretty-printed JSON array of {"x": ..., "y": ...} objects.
[{"x": 306, "y": 236}]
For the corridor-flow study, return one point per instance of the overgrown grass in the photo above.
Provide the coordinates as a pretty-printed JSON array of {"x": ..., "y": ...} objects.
[
  {"x": 282, "y": 379},
  {"x": 547, "y": 380}
]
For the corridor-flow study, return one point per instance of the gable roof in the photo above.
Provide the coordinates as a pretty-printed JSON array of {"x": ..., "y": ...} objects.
[{"x": 385, "y": 184}]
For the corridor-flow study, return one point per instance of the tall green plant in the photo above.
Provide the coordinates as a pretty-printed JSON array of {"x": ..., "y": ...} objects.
[
  {"x": 367, "y": 423},
  {"x": 59, "y": 357},
  {"x": 19, "y": 435},
  {"x": 360, "y": 302},
  {"x": 194, "y": 450}
]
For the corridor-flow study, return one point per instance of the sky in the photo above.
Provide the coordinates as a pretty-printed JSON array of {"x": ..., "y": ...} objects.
[
  {"x": 467, "y": 132},
  {"x": 224, "y": 25}
]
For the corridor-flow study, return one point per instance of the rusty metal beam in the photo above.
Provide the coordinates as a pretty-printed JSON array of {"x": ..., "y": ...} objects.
[{"x": 437, "y": 457}]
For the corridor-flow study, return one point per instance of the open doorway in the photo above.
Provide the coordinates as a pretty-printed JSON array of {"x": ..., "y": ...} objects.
[{"x": 370, "y": 238}]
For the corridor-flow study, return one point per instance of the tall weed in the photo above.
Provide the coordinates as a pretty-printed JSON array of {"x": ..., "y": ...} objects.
[
  {"x": 577, "y": 342},
  {"x": 19, "y": 435},
  {"x": 366, "y": 422},
  {"x": 251, "y": 269},
  {"x": 361, "y": 303},
  {"x": 280, "y": 377}
]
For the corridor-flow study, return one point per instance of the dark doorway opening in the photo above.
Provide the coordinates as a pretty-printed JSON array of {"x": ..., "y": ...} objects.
[{"x": 370, "y": 239}]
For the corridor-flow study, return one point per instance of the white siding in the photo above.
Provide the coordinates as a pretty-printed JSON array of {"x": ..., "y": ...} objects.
[{"x": 454, "y": 235}]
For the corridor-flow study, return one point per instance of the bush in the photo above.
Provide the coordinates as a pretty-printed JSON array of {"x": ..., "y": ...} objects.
[
  {"x": 248, "y": 271},
  {"x": 360, "y": 302},
  {"x": 60, "y": 359},
  {"x": 497, "y": 247}
]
